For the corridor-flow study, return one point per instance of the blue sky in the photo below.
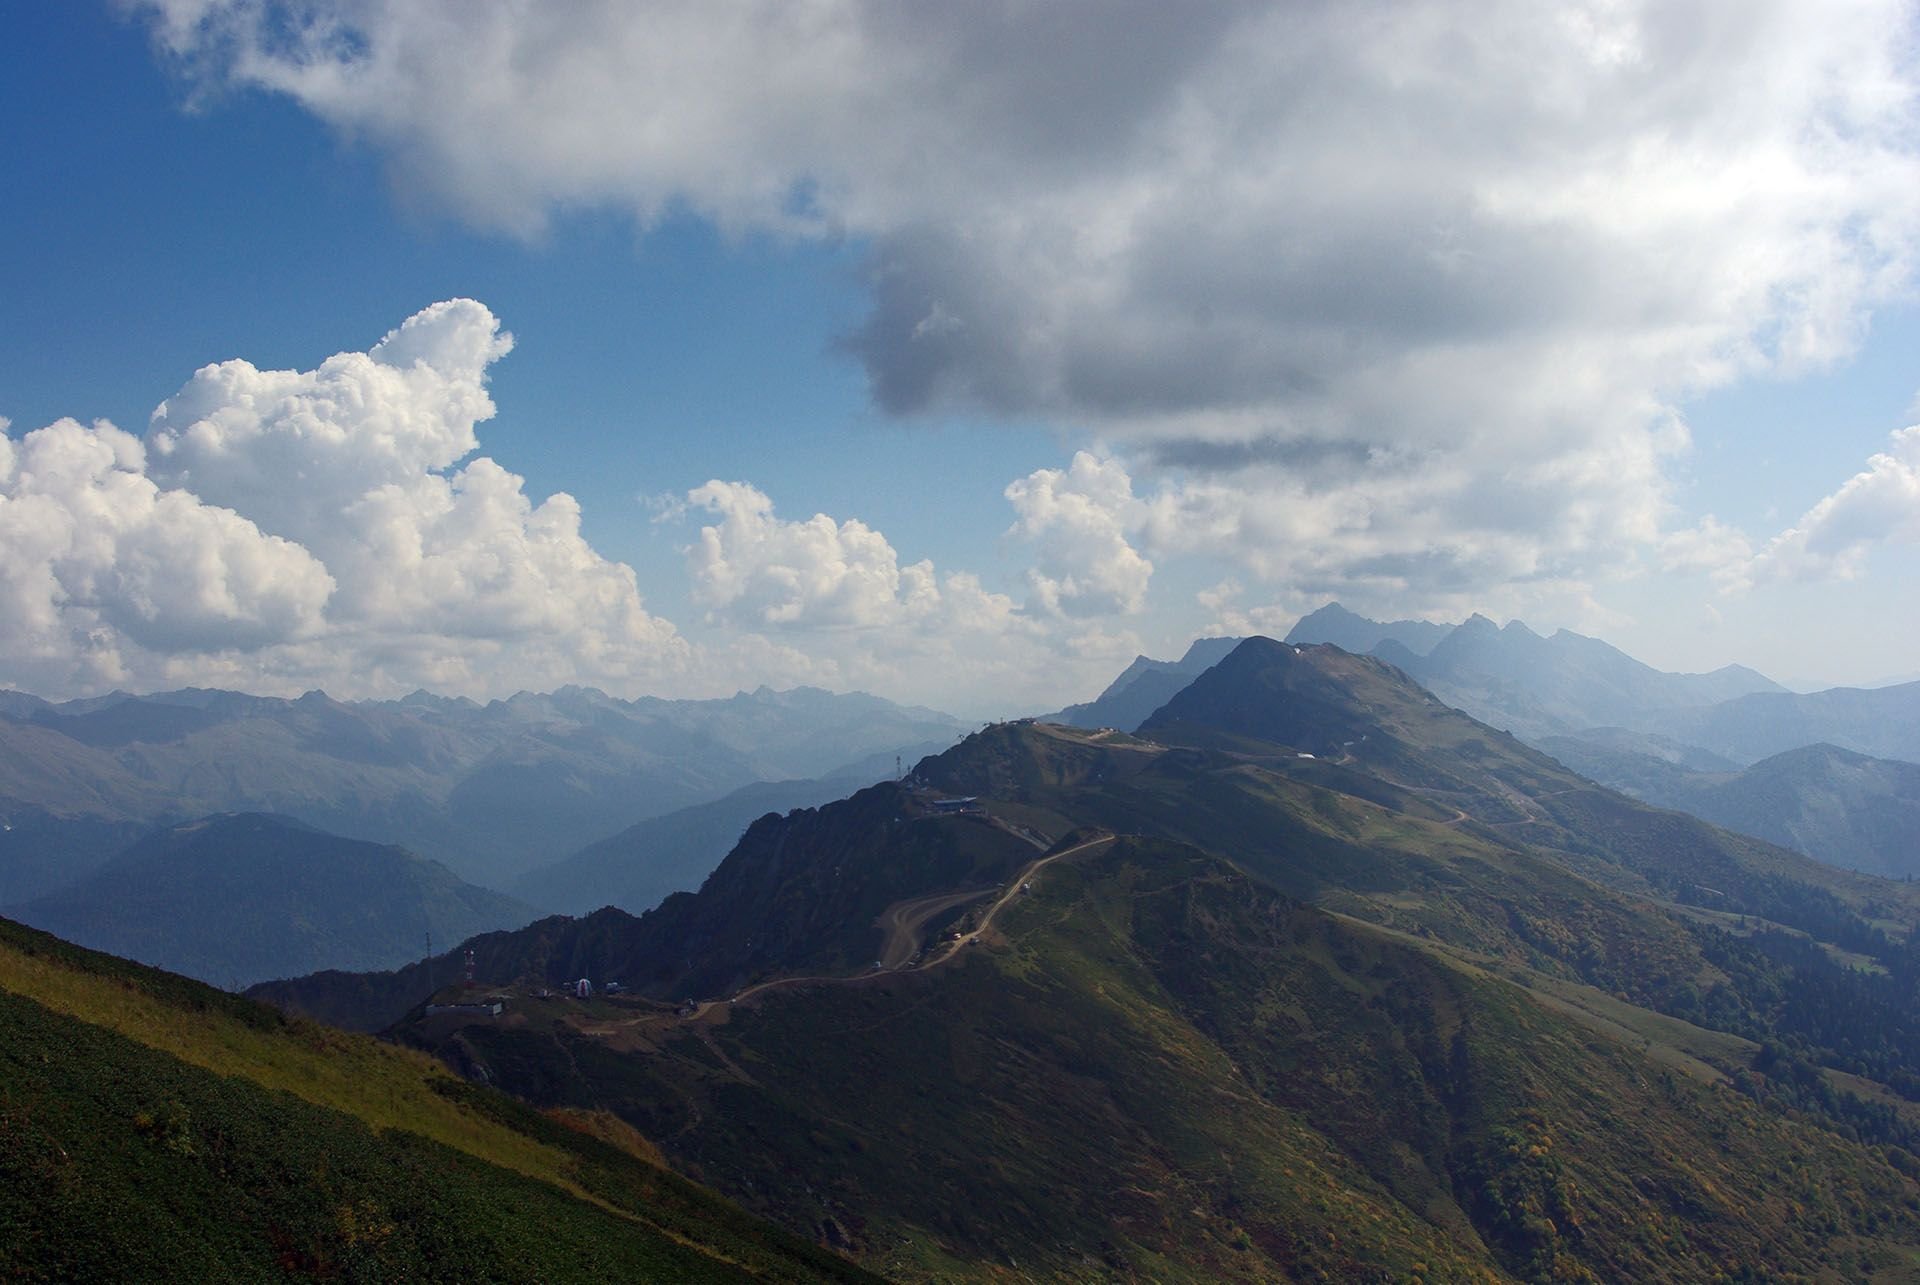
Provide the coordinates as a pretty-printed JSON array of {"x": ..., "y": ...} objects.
[
  {"x": 646, "y": 363},
  {"x": 1300, "y": 366}
]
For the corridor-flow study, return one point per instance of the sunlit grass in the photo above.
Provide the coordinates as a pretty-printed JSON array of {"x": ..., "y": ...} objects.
[{"x": 384, "y": 1085}]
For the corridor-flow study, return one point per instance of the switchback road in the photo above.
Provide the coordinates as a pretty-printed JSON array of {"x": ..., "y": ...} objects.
[{"x": 906, "y": 910}]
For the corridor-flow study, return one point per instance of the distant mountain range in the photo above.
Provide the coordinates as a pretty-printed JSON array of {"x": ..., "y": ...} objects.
[
  {"x": 1643, "y": 731},
  {"x": 1532, "y": 685},
  {"x": 1510, "y": 677},
  {"x": 1569, "y": 684},
  {"x": 1349, "y": 631},
  {"x": 242, "y": 898},
  {"x": 1844, "y": 808},
  {"x": 493, "y": 791},
  {"x": 1881, "y": 721},
  {"x": 1313, "y": 978}
]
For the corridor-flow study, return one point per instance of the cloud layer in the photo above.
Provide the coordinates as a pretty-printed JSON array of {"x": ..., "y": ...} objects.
[
  {"x": 281, "y": 529},
  {"x": 1415, "y": 284}
]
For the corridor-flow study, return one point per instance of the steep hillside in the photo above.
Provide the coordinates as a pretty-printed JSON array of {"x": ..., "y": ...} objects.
[
  {"x": 644, "y": 863},
  {"x": 1265, "y": 1092},
  {"x": 160, "y": 1130},
  {"x": 1366, "y": 722},
  {"x": 244, "y": 897},
  {"x": 803, "y": 893}
]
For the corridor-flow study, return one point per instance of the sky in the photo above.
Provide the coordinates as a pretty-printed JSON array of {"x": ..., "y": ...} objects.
[{"x": 951, "y": 352}]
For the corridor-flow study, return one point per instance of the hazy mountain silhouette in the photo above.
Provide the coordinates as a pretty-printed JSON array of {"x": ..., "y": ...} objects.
[
  {"x": 1840, "y": 807},
  {"x": 1144, "y": 686},
  {"x": 490, "y": 790},
  {"x": 244, "y": 897}
]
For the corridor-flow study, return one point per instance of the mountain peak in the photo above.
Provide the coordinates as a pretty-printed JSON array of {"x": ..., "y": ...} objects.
[
  {"x": 1332, "y": 613},
  {"x": 1315, "y": 698},
  {"x": 1346, "y": 629},
  {"x": 1205, "y": 653}
]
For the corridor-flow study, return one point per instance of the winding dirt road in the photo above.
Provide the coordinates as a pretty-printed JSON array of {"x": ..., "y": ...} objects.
[
  {"x": 916, "y": 912},
  {"x": 903, "y": 921},
  {"x": 1013, "y": 890}
]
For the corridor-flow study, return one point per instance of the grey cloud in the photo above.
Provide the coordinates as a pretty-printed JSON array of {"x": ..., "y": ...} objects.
[
  {"x": 1299, "y": 456},
  {"x": 1061, "y": 89}
]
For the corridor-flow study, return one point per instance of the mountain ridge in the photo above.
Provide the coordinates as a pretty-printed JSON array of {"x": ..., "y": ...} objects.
[
  {"x": 1143, "y": 686},
  {"x": 492, "y": 791},
  {"x": 1401, "y": 950},
  {"x": 239, "y": 898},
  {"x": 1837, "y": 806}
]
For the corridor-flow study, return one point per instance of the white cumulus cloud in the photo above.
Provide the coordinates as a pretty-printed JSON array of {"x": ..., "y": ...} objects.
[
  {"x": 280, "y": 529},
  {"x": 1878, "y": 505},
  {"x": 1078, "y": 518},
  {"x": 830, "y": 602},
  {"x": 98, "y": 565},
  {"x": 759, "y": 570}
]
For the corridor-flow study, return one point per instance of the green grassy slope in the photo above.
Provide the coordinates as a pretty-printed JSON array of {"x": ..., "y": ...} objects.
[
  {"x": 1366, "y": 715},
  {"x": 1424, "y": 1005},
  {"x": 159, "y": 1130},
  {"x": 1165, "y": 1068}
]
